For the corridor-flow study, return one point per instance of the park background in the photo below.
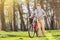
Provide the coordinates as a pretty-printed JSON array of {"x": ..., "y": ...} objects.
[{"x": 14, "y": 19}]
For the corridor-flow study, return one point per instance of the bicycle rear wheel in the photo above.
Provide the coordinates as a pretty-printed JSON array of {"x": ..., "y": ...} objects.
[{"x": 31, "y": 31}]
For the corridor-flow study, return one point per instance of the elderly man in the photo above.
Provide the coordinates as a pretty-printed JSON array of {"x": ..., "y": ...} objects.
[{"x": 38, "y": 15}]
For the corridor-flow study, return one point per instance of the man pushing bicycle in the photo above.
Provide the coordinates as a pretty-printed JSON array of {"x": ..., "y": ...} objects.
[{"x": 38, "y": 17}]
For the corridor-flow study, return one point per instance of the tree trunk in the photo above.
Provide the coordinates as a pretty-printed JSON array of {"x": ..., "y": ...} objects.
[
  {"x": 14, "y": 27},
  {"x": 23, "y": 27},
  {"x": 28, "y": 7},
  {"x": 55, "y": 5},
  {"x": 2, "y": 15}
]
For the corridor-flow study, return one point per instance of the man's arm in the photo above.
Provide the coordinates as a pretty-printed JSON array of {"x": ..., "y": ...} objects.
[{"x": 44, "y": 13}]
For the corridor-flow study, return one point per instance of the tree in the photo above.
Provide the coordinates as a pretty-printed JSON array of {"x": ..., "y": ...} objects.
[
  {"x": 0, "y": 22},
  {"x": 29, "y": 12},
  {"x": 23, "y": 27},
  {"x": 2, "y": 14},
  {"x": 55, "y": 5},
  {"x": 14, "y": 27}
]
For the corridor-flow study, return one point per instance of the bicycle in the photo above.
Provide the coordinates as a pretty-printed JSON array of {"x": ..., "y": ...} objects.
[{"x": 33, "y": 29}]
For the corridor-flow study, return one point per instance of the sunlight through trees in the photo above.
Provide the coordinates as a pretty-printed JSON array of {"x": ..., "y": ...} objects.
[{"x": 14, "y": 14}]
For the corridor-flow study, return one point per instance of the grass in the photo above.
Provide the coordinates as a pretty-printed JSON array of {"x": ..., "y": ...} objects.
[{"x": 50, "y": 35}]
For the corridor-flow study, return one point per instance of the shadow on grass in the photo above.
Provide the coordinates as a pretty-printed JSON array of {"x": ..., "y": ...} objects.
[
  {"x": 34, "y": 38},
  {"x": 11, "y": 35},
  {"x": 56, "y": 35}
]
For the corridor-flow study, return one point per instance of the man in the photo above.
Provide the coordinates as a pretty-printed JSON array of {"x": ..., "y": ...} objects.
[{"x": 38, "y": 15}]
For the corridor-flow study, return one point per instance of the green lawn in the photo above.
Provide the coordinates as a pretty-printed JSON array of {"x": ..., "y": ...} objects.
[{"x": 50, "y": 35}]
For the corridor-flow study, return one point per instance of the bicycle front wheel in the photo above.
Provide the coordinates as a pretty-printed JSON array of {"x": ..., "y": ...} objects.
[{"x": 31, "y": 31}]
